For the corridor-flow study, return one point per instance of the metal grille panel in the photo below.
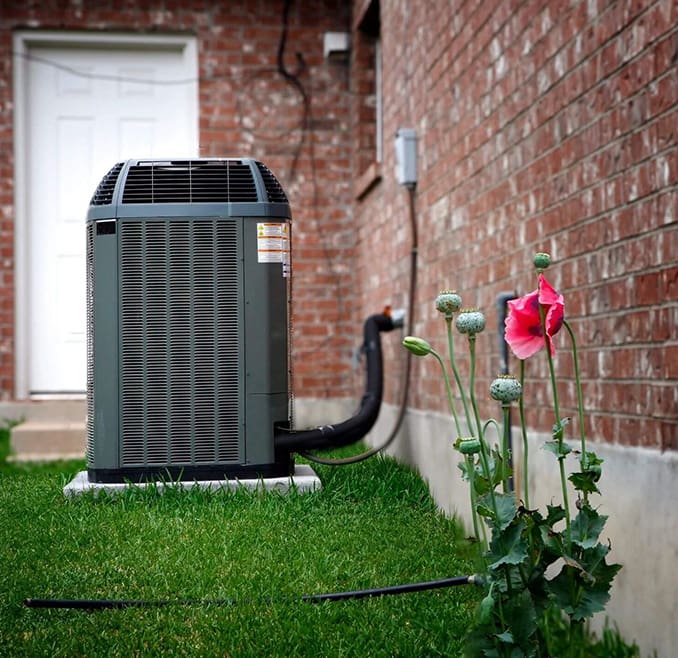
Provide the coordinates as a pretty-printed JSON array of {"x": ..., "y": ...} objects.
[
  {"x": 190, "y": 181},
  {"x": 179, "y": 342},
  {"x": 89, "y": 296},
  {"x": 103, "y": 195},
  {"x": 273, "y": 188}
]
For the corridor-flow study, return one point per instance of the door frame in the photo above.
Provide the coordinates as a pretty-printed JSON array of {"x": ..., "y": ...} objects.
[{"x": 23, "y": 41}]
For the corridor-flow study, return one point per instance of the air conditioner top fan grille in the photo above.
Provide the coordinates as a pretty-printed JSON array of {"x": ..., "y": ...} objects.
[
  {"x": 273, "y": 188},
  {"x": 103, "y": 195},
  {"x": 227, "y": 187},
  {"x": 190, "y": 181}
]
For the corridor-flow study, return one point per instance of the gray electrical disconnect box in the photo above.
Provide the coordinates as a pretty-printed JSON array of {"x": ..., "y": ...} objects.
[
  {"x": 187, "y": 321},
  {"x": 406, "y": 156}
]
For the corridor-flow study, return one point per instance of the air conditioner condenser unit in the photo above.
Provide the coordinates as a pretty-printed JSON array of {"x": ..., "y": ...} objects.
[{"x": 187, "y": 321}]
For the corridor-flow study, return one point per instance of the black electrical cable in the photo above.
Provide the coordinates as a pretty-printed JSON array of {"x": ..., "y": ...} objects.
[
  {"x": 293, "y": 79},
  {"x": 402, "y": 409},
  {"x": 392, "y": 590},
  {"x": 307, "y": 134}
]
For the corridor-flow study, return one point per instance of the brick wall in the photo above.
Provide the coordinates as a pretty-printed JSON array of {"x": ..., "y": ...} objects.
[
  {"x": 543, "y": 126},
  {"x": 246, "y": 108}
]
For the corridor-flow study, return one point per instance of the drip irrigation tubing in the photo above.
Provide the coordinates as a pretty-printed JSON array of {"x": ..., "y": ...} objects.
[{"x": 117, "y": 604}]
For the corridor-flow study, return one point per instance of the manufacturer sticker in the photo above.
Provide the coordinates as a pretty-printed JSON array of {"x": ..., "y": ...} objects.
[{"x": 273, "y": 244}]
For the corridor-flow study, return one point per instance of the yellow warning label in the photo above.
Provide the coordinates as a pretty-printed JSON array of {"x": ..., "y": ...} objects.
[{"x": 273, "y": 242}]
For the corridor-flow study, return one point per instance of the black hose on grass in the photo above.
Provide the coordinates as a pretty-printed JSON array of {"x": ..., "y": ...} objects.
[{"x": 107, "y": 604}]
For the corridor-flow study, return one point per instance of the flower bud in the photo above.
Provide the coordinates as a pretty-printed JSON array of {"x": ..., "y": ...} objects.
[
  {"x": 485, "y": 609},
  {"x": 448, "y": 302},
  {"x": 470, "y": 321},
  {"x": 505, "y": 389},
  {"x": 542, "y": 261},
  {"x": 418, "y": 346}
]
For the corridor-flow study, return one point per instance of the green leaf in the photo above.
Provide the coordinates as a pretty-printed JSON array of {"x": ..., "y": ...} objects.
[
  {"x": 505, "y": 637},
  {"x": 521, "y": 618},
  {"x": 590, "y": 473},
  {"x": 590, "y": 460},
  {"x": 596, "y": 595},
  {"x": 585, "y": 482},
  {"x": 508, "y": 547},
  {"x": 505, "y": 579},
  {"x": 559, "y": 429},
  {"x": 555, "y": 513},
  {"x": 583, "y": 590},
  {"x": 591, "y": 558},
  {"x": 586, "y": 527},
  {"x": 481, "y": 482},
  {"x": 505, "y": 509},
  {"x": 501, "y": 470},
  {"x": 553, "y": 544},
  {"x": 491, "y": 653},
  {"x": 559, "y": 448}
]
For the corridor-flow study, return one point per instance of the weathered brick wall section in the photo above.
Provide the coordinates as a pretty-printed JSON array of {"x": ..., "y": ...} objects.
[
  {"x": 248, "y": 109},
  {"x": 543, "y": 126},
  {"x": 6, "y": 221}
]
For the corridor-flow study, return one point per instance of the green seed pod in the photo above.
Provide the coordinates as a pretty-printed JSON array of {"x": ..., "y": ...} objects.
[
  {"x": 542, "y": 260},
  {"x": 468, "y": 445},
  {"x": 505, "y": 389},
  {"x": 448, "y": 302},
  {"x": 471, "y": 322}
]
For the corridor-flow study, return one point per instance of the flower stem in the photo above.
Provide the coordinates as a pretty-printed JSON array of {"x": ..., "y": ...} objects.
[
  {"x": 448, "y": 388},
  {"x": 523, "y": 429},
  {"x": 556, "y": 410},
  {"x": 482, "y": 540},
  {"x": 483, "y": 446},
  {"x": 455, "y": 370},
  {"x": 580, "y": 400},
  {"x": 471, "y": 472},
  {"x": 505, "y": 457},
  {"x": 471, "y": 385},
  {"x": 491, "y": 421}
]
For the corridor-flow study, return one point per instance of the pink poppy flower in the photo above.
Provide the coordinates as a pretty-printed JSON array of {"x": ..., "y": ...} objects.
[{"x": 523, "y": 331}]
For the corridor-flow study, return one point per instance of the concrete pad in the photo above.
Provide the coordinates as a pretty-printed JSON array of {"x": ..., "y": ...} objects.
[{"x": 304, "y": 480}]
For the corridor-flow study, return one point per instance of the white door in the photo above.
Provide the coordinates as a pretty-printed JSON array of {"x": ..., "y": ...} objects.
[{"x": 87, "y": 107}]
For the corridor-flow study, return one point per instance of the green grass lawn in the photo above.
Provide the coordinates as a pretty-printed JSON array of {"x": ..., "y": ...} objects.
[{"x": 371, "y": 525}]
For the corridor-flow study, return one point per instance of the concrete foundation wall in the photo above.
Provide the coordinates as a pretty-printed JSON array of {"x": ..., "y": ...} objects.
[
  {"x": 639, "y": 493},
  {"x": 313, "y": 412}
]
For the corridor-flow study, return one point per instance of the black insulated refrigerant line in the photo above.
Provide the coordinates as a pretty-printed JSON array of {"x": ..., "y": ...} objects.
[{"x": 355, "y": 428}]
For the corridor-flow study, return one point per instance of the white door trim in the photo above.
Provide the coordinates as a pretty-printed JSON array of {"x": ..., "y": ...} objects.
[{"x": 23, "y": 41}]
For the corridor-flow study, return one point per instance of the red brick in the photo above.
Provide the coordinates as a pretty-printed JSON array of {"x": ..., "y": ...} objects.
[{"x": 540, "y": 127}]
